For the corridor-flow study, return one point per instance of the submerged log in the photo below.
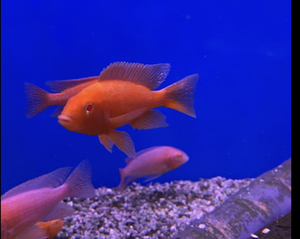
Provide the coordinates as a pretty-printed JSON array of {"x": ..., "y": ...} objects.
[{"x": 265, "y": 199}]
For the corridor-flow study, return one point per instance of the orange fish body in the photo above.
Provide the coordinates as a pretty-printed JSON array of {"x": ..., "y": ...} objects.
[
  {"x": 124, "y": 95},
  {"x": 51, "y": 227},
  {"x": 40, "y": 200},
  {"x": 39, "y": 99},
  {"x": 151, "y": 163}
]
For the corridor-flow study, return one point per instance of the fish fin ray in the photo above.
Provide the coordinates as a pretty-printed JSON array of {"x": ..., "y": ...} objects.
[
  {"x": 80, "y": 181},
  {"x": 34, "y": 232},
  {"x": 52, "y": 179},
  {"x": 180, "y": 95},
  {"x": 61, "y": 85},
  {"x": 150, "y": 76},
  {"x": 37, "y": 100},
  {"x": 123, "y": 141},
  {"x": 150, "y": 120},
  {"x": 106, "y": 141}
]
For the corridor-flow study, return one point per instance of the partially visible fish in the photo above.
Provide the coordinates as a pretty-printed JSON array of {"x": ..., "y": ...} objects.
[
  {"x": 39, "y": 99},
  {"x": 51, "y": 227},
  {"x": 151, "y": 163},
  {"x": 124, "y": 95},
  {"x": 40, "y": 199}
]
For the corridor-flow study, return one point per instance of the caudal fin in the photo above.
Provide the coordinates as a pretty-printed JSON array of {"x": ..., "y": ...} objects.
[
  {"x": 80, "y": 181},
  {"x": 180, "y": 95},
  {"x": 37, "y": 100}
]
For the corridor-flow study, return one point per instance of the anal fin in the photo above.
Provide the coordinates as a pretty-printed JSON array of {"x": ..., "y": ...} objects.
[{"x": 121, "y": 139}]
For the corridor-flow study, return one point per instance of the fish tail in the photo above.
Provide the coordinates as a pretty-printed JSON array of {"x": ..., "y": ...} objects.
[
  {"x": 80, "y": 181},
  {"x": 180, "y": 95},
  {"x": 122, "y": 183},
  {"x": 37, "y": 100}
]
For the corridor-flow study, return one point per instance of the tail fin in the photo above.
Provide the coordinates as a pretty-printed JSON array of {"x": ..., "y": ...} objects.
[
  {"x": 80, "y": 181},
  {"x": 37, "y": 100},
  {"x": 180, "y": 95}
]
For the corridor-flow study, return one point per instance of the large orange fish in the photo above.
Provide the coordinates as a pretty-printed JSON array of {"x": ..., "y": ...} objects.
[
  {"x": 39, "y": 99},
  {"x": 51, "y": 227},
  {"x": 124, "y": 95},
  {"x": 151, "y": 163},
  {"x": 40, "y": 199}
]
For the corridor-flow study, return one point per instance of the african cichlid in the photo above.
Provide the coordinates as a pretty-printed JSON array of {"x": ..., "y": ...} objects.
[
  {"x": 39, "y": 99},
  {"x": 151, "y": 163},
  {"x": 51, "y": 227},
  {"x": 40, "y": 199},
  {"x": 124, "y": 95}
]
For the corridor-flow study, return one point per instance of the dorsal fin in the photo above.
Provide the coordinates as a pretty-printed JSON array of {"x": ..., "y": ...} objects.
[
  {"x": 61, "y": 85},
  {"x": 150, "y": 76},
  {"x": 53, "y": 179}
]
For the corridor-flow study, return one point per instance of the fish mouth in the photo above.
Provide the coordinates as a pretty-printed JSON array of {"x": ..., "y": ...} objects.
[{"x": 63, "y": 119}]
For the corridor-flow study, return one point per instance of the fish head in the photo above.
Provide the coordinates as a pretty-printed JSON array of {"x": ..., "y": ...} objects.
[
  {"x": 83, "y": 113},
  {"x": 176, "y": 158}
]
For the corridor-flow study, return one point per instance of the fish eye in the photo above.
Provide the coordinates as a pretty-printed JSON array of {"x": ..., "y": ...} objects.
[{"x": 88, "y": 108}]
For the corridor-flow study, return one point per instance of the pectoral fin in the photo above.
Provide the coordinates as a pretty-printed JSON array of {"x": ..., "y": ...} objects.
[
  {"x": 150, "y": 120},
  {"x": 106, "y": 141},
  {"x": 124, "y": 119},
  {"x": 121, "y": 139}
]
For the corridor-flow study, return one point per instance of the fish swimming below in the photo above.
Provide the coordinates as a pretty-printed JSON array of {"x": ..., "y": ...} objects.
[
  {"x": 40, "y": 199},
  {"x": 51, "y": 228},
  {"x": 151, "y": 163},
  {"x": 39, "y": 99},
  {"x": 124, "y": 95}
]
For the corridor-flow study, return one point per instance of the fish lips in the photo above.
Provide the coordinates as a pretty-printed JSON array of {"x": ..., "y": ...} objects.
[
  {"x": 65, "y": 121},
  {"x": 62, "y": 119}
]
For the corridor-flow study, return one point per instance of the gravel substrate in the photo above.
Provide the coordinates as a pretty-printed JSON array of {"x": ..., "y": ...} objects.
[{"x": 152, "y": 211}]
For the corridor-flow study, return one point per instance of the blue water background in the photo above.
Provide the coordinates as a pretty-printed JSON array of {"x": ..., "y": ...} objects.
[{"x": 240, "y": 49}]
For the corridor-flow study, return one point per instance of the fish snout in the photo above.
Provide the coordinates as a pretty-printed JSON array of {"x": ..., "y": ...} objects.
[{"x": 62, "y": 119}]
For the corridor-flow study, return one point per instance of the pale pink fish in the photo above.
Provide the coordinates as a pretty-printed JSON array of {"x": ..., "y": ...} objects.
[
  {"x": 40, "y": 199},
  {"x": 151, "y": 163}
]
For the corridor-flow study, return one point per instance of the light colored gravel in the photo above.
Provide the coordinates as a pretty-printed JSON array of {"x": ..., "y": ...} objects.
[{"x": 152, "y": 211}]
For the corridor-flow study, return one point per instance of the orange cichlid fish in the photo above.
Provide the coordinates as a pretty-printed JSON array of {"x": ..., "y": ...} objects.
[
  {"x": 39, "y": 99},
  {"x": 151, "y": 163},
  {"x": 40, "y": 199},
  {"x": 124, "y": 95},
  {"x": 51, "y": 228}
]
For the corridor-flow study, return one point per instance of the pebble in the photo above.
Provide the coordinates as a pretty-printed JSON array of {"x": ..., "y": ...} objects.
[
  {"x": 265, "y": 231},
  {"x": 152, "y": 211}
]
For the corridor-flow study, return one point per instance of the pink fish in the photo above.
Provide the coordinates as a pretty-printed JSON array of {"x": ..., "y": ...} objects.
[
  {"x": 39, "y": 99},
  {"x": 151, "y": 163},
  {"x": 40, "y": 199}
]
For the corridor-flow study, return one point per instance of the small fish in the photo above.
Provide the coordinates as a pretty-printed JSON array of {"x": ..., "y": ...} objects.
[
  {"x": 51, "y": 227},
  {"x": 39, "y": 99},
  {"x": 151, "y": 163},
  {"x": 40, "y": 199},
  {"x": 124, "y": 95}
]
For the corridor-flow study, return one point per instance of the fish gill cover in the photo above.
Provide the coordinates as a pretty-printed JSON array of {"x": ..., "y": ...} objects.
[{"x": 241, "y": 51}]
